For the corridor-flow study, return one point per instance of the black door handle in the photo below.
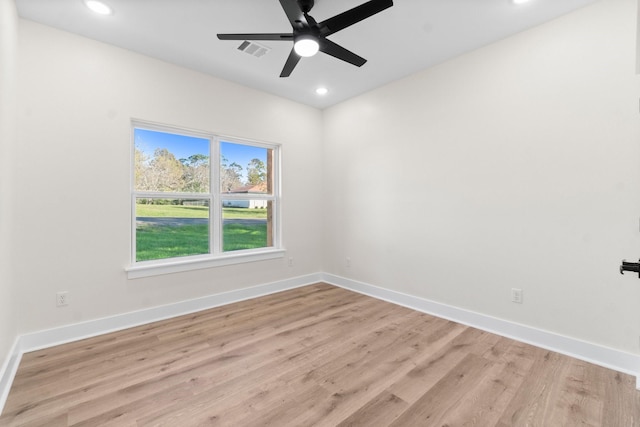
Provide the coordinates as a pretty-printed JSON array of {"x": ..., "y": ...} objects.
[{"x": 630, "y": 266}]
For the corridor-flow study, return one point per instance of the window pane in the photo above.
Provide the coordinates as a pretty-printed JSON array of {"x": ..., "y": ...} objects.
[
  {"x": 245, "y": 169},
  {"x": 167, "y": 228},
  {"x": 171, "y": 162},
  {"x": 247, "y": 224}
]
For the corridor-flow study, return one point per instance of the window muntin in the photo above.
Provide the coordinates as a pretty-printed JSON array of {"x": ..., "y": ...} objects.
[{"x": 178, "y": 211}]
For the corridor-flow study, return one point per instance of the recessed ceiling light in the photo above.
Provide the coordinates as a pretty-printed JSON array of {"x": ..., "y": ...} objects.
[
  {"x": 519, "y": 1},
  {"x": 98, "y": 7},
  {"x": 322, "y": 91}
]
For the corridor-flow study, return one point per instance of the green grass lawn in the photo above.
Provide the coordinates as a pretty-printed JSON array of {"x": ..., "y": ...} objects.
[
  {"x": 158, "y": 242},
  {"x": 163, "y": 241},
  {"x": 241, "y": 236}
]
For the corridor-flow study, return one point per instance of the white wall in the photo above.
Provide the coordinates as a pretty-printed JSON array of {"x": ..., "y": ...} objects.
[
  {"x": 72, "y": 165},
  {"x": 512, "y": 166},
  {"x": 8, "y": 41},
  {"x": 516, "y": 165}
]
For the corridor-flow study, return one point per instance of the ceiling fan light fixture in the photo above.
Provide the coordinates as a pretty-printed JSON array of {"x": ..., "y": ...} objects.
[{"x": 306, "y": 46}]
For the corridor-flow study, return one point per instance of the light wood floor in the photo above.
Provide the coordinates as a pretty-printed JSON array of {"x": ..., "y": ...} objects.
[{"x": 317, "y": 355}]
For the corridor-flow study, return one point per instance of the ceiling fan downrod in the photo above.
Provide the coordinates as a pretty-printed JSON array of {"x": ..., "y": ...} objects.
[{"x": 306, "y": 5}]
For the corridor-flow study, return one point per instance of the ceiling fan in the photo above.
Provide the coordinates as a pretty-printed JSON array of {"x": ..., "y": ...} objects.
[{"x": 309, "y": 36}]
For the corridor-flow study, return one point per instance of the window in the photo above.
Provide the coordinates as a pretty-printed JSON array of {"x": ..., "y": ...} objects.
[{"x": 201, "y": 200}]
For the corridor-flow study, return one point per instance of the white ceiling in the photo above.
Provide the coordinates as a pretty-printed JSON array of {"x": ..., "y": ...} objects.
[{"x": 408, "y": 37}]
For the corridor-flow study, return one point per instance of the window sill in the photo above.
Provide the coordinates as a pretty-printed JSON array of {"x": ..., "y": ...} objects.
[{"x": 155, "y": 268}]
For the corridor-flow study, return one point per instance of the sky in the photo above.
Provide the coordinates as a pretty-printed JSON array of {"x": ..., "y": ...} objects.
[
  {"x": 184, "y": 146},
  {"x": 242, "y": 154},
  {"x": 180, "y": 145}
]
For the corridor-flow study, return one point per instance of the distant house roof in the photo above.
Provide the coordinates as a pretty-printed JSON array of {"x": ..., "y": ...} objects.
[{"x": 252, "y": 188}]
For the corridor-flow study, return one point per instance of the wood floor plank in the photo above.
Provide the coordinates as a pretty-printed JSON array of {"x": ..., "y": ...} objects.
[
  {"x": 300, "y": 404},
  {"x": 578, "y": 402},
  {"x": 620, "y": 407},
  {"x": 447, "y": 394},
  {"x": 246, "y": 360},
  {"x": 484, "y": 404},
  {"x": 129, "y": 374},
  {"x": 433, "y": 368},
  {"x": 381, "y": 410},
  {"x": 317, "y": 355},
  {"x": 536, "y": 398}
]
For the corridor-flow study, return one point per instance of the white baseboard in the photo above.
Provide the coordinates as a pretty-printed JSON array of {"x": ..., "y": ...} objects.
[
  {"x": 8, "y": 371},
  {"x": 593, "y": 353},
  {"x": 64, "y": 334},
  {"x": 589, "y": 352},
  {"x": 78, "y": 331}
]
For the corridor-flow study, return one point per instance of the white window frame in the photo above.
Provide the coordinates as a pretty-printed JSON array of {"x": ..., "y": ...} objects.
[{"x": 216, "y": 257}]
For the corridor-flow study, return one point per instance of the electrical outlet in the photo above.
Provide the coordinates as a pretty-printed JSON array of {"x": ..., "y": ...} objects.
[
  {"x": 347, "y": 262},
  {"x": 290, "y": 261},
  {"x": 62, "y": 298},
  {"x": 516, "y": 295}
]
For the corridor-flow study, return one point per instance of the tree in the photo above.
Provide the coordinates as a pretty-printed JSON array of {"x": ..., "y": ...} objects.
[
  {"x": 196, "y": 173},
  {"x": 230, "y": 175},
  {"x": 141, "y": 166},
  {"x": 256, "y": 172},
  {"x": 165, "y": 171}
]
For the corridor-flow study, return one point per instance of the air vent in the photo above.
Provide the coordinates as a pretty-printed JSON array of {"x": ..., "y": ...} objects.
[{"x": 253, "y": 48}]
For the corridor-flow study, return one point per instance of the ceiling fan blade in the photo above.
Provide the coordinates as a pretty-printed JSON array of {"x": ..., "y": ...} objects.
[
  {"x": 351, "y": 16},
  {"x": 294, "y": 13},
  {"x": 337, "y": 51},
  {"x": 265, "y": 36},
  {"x": 291, "y": 63}
]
